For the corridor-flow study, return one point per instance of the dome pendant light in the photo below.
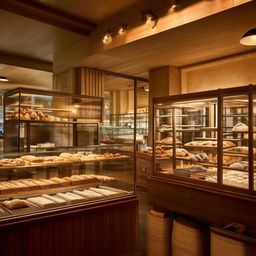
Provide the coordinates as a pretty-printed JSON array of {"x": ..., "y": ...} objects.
[{"x": 249, "y": 38}]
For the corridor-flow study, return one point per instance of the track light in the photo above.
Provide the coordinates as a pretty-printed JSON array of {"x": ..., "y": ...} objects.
[
  {"x": 149, "y": 17},
  {"x": 4, "y": 79},
  {"x": 107, "y": 39},
  {"x": 174, "y": 4},
  {"x": 249, "y": 38},
  {"x": 122, "y": 29}
]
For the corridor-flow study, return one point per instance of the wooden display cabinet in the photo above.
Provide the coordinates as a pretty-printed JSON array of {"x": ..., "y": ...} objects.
[{"x": 204, "y": 155}]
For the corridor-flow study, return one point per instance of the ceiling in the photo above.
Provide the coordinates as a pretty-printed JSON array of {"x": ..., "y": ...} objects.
[
  {"x": 24, "y": 77},
  {"x": 209, "y": 38},
  {"x": 203, "y": 40},
  {"x": 92, "y": 10}
]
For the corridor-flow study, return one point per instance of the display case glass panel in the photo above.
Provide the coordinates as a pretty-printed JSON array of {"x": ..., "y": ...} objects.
[
  {"x": 193, "y": 152},
  {"x": 62, "y": 120},
  {"x": 235, "y": 129}
]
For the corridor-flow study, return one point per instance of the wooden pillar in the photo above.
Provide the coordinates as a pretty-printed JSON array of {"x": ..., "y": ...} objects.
[
  {"x": 163, "y": 81},
  {"x": 81, "y": 81}
]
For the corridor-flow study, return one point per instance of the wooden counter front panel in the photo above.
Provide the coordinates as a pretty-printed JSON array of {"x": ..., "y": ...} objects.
[
  {"x": 214, "y": 207},
  {"x": 109, "y": 230}
]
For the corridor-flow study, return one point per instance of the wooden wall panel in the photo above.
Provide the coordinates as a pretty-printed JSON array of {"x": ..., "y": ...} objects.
[
  {"x": 108, "y": 230},
  {"x": 227, "y": 72},
  {"x": 89, "y": 82}
]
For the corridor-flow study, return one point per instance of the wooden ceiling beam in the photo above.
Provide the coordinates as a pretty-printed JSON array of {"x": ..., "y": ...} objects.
[
  {"x": 48, "y": 15},
  {"x": 25, "y": 62}
]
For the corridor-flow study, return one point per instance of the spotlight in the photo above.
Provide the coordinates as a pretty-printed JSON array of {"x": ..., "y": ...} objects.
[
  {"x": 149, "y": 17},
  {"x": 249, "y": 38},
  {"x": 174, "y": 4},
  {"x": 107, "y": 39},
  {"x": 4, "y": 79},
  {"x": 122, "y": 29}
]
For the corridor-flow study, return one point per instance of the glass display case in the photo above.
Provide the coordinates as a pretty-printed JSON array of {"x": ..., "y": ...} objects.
[
  {"x": 207, "y": 138},
  {"x": 121, "y": 126},
  {"x": 81, "y": 172},
  {"x": 36, "y": 120}
]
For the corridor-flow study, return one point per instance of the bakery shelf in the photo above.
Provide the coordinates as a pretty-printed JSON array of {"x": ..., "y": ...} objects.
[{"x": 200, "y": 114}]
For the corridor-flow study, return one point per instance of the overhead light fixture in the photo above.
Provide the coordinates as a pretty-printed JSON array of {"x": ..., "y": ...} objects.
[
  {"x": 174, "y": 4},
  {"x": 4, "y": 79},
  {"x": 149, "y": 17},
  {"x": 107, "y": 39},
  {"x": 249, "y": 38},
  {"x": 122, "y": 29}
]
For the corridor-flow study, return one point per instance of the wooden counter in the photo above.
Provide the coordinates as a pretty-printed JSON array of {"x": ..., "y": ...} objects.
[
  {"x": 109, "y": 227},
  {"x": 215, "y": 206}
]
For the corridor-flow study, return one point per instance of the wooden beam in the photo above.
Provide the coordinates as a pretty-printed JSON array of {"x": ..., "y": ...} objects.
[
  {"x": 43, "y": 13},
  {"x": 21, "y": 61}
]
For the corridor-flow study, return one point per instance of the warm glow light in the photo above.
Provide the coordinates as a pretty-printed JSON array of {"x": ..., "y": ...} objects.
[
  {"x": 107, "y": 39},
  {"x": 149, "y": 18},
  {"x": 249, "y": 38},
  {"x": 122, "y": 29},
  {"x": 3, "y": 79},
  {"x": 146, "y": 90}
]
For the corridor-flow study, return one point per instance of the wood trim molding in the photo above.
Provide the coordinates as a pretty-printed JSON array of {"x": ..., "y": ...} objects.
[
  {"x": 51, "y": 16},
  {"x": 25, "y": 62}
]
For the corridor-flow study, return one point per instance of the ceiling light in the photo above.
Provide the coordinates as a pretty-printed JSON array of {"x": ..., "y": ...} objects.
[
  {"x": 174, "y": 4},
  {"x": 122, "y": 29},
  {"x": 107, "y": 39},
  {"x": 4, "y": 79},
  {"x": 249, "y": 38},
  {"x": 149, "y": 17}
]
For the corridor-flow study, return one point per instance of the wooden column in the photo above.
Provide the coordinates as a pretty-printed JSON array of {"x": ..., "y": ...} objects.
[
  {"x": 163, "y": 81},
  {"x": 81, "y": 81}
]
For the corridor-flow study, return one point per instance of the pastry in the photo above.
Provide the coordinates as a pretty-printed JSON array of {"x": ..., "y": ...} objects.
[
  {"x": 4, "y": 189},
  {"x": 40, "y": 114},
  {"x": 242, "y": 165},
  {"x": 71, "y": 197},
  {"x": 33, "y": 116},
  {"x": 15, "y": 204},
  {"x": 40, "y": 183},
  {"x": 105, "y": 192},
  {"x": 52, "y": 183},
  {"x": 42, "y": 202},
  {"x": 88, "y": 194},
  {"x": 26, "y": 117},
  {"x": 58, "y": 201},
  {"x": 240, "y": 127},
  {"x": 45, "y": 117},
  {"x": 62, "y": 182}
]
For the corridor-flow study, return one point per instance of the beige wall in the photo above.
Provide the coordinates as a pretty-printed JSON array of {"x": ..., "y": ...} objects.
[{"x": 229, "y": 72}]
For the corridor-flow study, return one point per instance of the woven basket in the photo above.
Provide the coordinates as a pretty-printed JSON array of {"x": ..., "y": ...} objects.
[
  {"x": 188, "y": 239},
  {"x": 225, "y": 243},
  {"x": 158, "y": 235}
]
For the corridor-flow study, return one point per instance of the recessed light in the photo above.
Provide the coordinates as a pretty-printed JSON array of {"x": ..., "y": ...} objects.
[
  {"x": 249, "y": 38},
  {"x": 4, "y": 79}
]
